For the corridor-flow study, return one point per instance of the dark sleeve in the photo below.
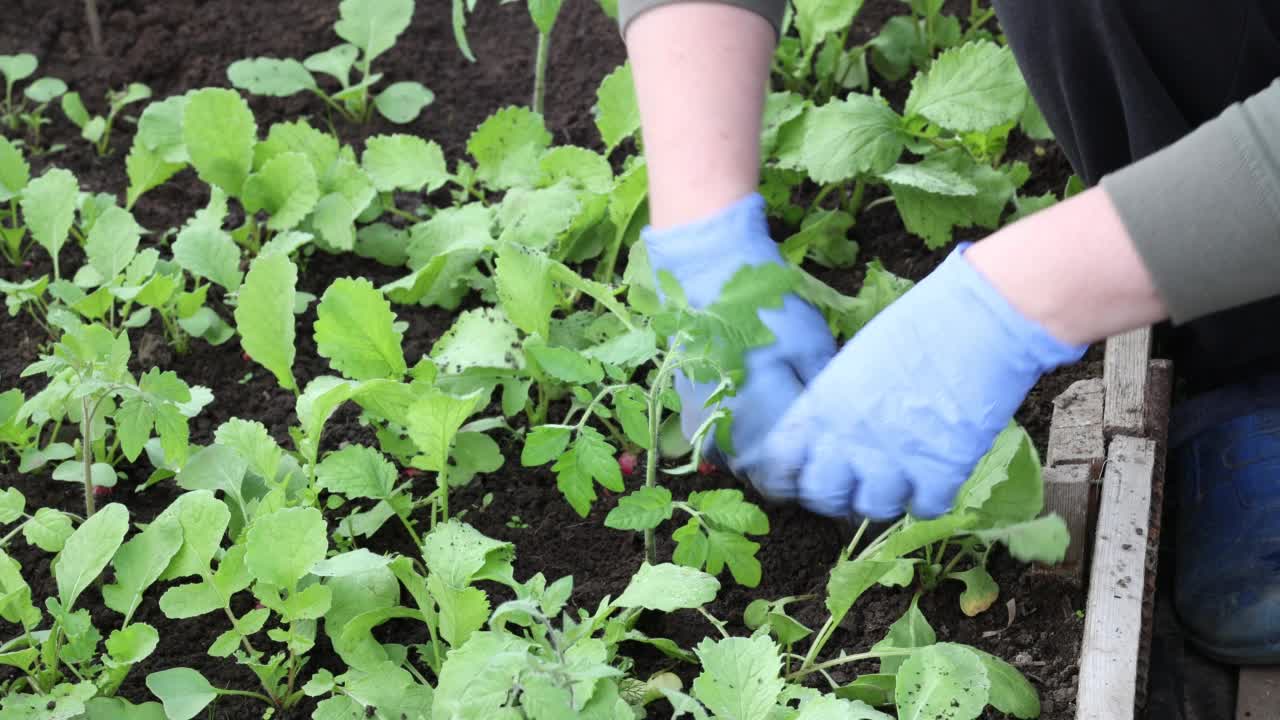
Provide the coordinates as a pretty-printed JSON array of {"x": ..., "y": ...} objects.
[
  {"x": 771, "y": 10},
  {"x": 1204, "y": 212}
]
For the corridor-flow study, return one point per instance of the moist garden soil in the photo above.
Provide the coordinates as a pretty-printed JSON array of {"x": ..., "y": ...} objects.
[{"x": 176, "y": 45}]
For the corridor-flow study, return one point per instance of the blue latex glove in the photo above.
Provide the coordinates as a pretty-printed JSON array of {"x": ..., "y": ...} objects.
[
  {"x": 899, "y": 419},
  {"x": 703, "y": 256}
]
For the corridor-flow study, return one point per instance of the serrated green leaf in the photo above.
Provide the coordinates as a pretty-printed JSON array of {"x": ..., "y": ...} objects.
[
  {"x": 204, "y": 520},
  {"x": 976, "y": 86},
  {"x": 457, "y": 552},
  {"x": 483, "y": 338},
  {"x": 15, "y": 173},
  {"x": 1006, "y": 486},
  {"x": 942, "y": 680},
  {"x": 373, "y": 26},
  {"x": 589, "y": 460},
  {"x": 140, "y": 562},
  {"x": 335, "y": 62},
  {"x": 851, "y": 137},
  {"x": 301, "y": 530},
  {"x": 580, "y": 167},
  {"x": 112, "y": 242},
  {"x": 617, "y": 112},
  {"x": 49, "y": 209},
  {"x": 183, "y": 691},
  {"x": 285, "y": 188},
  {"x": 477, "y": 679},
  {"x": 565, "y": 364},
  {"x": 643, "y": 509},
  {"x": 88, "y": 550},
  {"x": 402, "y": 102},
  {"x": 357, "y": 472},
  {"x": 815, "y": 19},
  {"x": 434, "y": 421},
  {"x": 666, "y": 588},
  {"x": 131, "y": 645},
  {"x": 209, "y": 253},
  {"x": 508, "y": 146},
  {"x": 264, "y": 315},
  {"x": 48, "y": 529},
  {"x": 536, "y": 218},
  {"x": 219, "y": 131},
  {"x": 272, "y": 77},
  {"x": 740, "y": 677},
  {"x": 404, "y": 162},
  {"x": 729, "y": 509},
  {"x": 544, "y": 444},
  {"x": 1043, "y": 540},
  {"x": 160, "y": 129},
  {"x": 932, "y": 216},
  {"x": 355, "y": 329},
  {"x": 929, "y": 177},
  {"x": 146, "y": 169}
]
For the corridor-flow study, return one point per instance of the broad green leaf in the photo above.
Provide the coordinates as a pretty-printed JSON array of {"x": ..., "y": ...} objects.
[
  {"x": 827, "y": 707},
  {"x": 932, "y": 216},
  {"x": 508, "y": 146},
  {"x": 301, "y": 530},
  {"x": 402, "y": 102},
  {"x": 463, "y": 611},
  {"x": 273, "y": 77},
  {"x": 911, "y": 630},
  {"x": 332, "y": 222},
  {"x": 477, "y": 679},
  {"x": 216, "y": 469},
  {"x": 457, "y": 552},
  {"x": 1006, "y": 486},
  {"x": 15, "y": 596},
  {"x": 482, "y": 338},
  {"x": 565, "y": 364},
  {"x": 1010, "y": 691},
  {"x": 48, "y": 529},
  {"x": 12, "y": 503},
  {"x": 204, "y": 519},
  {"x": 850, "y": 579},
  {"x": 373, "y": 26},
  {"x": 740, "y": 677},
  {"x": 544, "y": 13},
  {"x": 254, "y": 443},
  {"x": 17, "y": 67},
  {"x": 264, "y": 315},
  {"x": 666, "y": 588},
  {"x": 219, "y": 131},
  {"x": 131, "y": 645},
  {"x": 544, "y": 444},
  {"x": 45, "y": 90},
  {"x": 183, "y": 691},
  {"x": 49, "y": 209},
  {"x": 976, "y": 86},
  {"x": 736, "y": 551},
  {"x": 434, "y": 421},
  {"x": 851, "y": 137},
  {"x": 537, "y": 218},
  {"x": 588, "y": 461},
  {"x": 335, "y": 62},
  {"x": 824, "y": 237},
  {"x": 580, "y": 167},
  {"x": 525, "y": 289},
  {"x": 102, "y": 474},
  {"x": 929, "y": 177},
  {"x": 404, "y": 162},
  {"x": 357, "y": 471},
  {"x": 88, "y": 550},
  {"x": 112, "y": 242},
  {"x": 15, "y": 173},
  {"x": 355, "y": 329},
  {"x": 285, "y": 188},
  {"x": 140, "y": 562},
  {"x": 1043, "y": 540},
  {"x": 630, "y": 349},
  {"x": 147, "y": 169},
  {"x": 728, "y": 508},
  {"x": 980, "y": 590},
  {"x": 617, "y": 113},
  {"x": 160, "y": 129},
  {"x": 298, "y": 136},
  {"x": 942, "y": 680},
  {"x": 209, "y": 253},
  {"x": 816, "y": 19},
  {"x": 631, "y": 407},
  {"x": 105, "y": 708},
  {"x": 191, "y": 600}
]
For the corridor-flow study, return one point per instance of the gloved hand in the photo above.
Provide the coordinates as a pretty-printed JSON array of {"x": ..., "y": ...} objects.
[
  {"x": 703, "y": 256},
  {"x": 899, "y": 419}
]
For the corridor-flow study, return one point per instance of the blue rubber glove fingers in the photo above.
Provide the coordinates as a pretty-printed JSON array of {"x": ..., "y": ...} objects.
[{"x": 901, "y": 416}]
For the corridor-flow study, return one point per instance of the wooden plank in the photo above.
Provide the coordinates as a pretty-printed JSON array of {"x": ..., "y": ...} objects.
[
  {"x": 1158, "y": 399},
  {"x": 1124, "y": 371},
  {"x": 1109, "y": 653},
  {"x": 1075, "y": 433},
  {"x": 1258, "y": 697},
  {"x": 1069, "y": 492}
]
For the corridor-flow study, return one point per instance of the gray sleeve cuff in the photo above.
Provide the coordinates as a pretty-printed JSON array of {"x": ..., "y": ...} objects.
[
  {"x": 771, "y": 10},
  {"x": 1204, "y": 213}
]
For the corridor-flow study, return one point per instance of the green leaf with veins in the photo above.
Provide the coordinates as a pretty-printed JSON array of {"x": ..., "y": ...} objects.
[
  {"x": 508, "y": 146},
  {"x": 160, "y": 129},
  {"x": 980, "y": 590},
  {"x": 736, "y": 551},
  {"x": 357, "y": 472},
  {"x": 404, "y": 162},
  {"x": 335, "y": 62},
  {"x": 477, "y": 679},
  {"x": 301, "y": 530},
  {"x": 112, "y": 243},
  {"x": 589, "y": 460},
  {"x": 933, "y": 216},
  {"x": 525, "y": 288},
  {"x": 740, "y": 677},
  {"x": 49, "y": 209},
  {"x": 450, "y": 230},
  {"x": 1006, "y": 486},
  {"x": 297, "y": 136},
  {"x": 564, "y": 364},
  {"x": 146, "y": 169},
  {"x": 434, "y": 421},
  {"x": 617, "y": 112},
  {"x": 911, "y": 630},
  {"x": 251, "y": 439},
  {"x": 373, "y": 26},
  {"x": 816, "y": 19},
  {"x": 140, "y": 563},
  {"x": 931, "y": 177},
  {"x": 976, "y": 86},
  {"x": 729, "y": 509},
  {"x": 544, "y": 444},
  {"x": 536, "y": 218},
  {"x": 264, "y": 315},
  {"x": 1043, "y": 540},
  {"x": 824, "y": 237},
  {"x": 219, "y": 131},
  {"x": 15, "y": 173},
  {"x": 88, "y": 550},
  {"x": 183, "y": 691},
  {"x": 285, "y": 188},
  {"x": 458, "y": 553},
  {"x": 131, "y": 645},
  {"x": 847, "y": 138},
  {"x": 942, "y": 680},
  {"x": 479, "y": 338},
  {"x": 209, "y": 253},
  {"x": 12, "y": 502},
  {"x": 402, "y": 102},
  {"x": 1011, "y": 693},
  {"x": 580, "y": 167},
  {"x": 644, "y": 509},
  {"x": 204, "y": 520},
  {"x": 48, "y": 529},
  {"x": 355, "y": 329},
  {"x": 273, "y": 77},
  {"x": 666, "y": 588}
]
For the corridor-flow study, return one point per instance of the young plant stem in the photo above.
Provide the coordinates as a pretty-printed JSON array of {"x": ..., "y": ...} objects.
[
  {"x": 442, "y": 483},
  {"x": 652, "y": 457},
  {"x": 846, "y": 659},
  {"x": 86, "y": 425},
  {"x": 540, "y": 72},
  {"x": 95, "y": 25}
]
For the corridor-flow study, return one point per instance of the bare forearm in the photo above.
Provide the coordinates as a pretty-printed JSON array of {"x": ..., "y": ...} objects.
[
  {"x": 1072, "y": 268},
  {"x": 701, "y": 73}
]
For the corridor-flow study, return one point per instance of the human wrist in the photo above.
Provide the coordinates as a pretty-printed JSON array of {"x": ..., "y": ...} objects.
[{"x": 718, "y": 243}]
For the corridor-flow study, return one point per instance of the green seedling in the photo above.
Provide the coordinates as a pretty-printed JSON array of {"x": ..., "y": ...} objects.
[
  {"x": 97, "y": 128},
  {"x": 28, "y": 110},
  {"x": 370, "y": 28}
]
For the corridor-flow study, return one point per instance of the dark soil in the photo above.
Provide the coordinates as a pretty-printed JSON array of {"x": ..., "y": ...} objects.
[{"x": 180, "y": 44}]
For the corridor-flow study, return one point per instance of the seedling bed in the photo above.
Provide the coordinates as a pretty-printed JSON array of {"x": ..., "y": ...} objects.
[{"x": 1036, "y": 624}]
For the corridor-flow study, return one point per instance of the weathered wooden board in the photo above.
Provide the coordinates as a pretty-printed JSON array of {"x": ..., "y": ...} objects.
[
  {"x": 1258, "y": 697},
  {"x": 1075, "y": 433},
  {"x": 1110, "y": 651},
  {"x": 1070, "y": 491},
  {"x": 1124, "y": 371},
  {"x": 1159, "y": 394}
]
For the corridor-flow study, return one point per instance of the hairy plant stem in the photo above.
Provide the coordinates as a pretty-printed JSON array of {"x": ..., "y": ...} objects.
[{"x": 540, "y": 72}]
